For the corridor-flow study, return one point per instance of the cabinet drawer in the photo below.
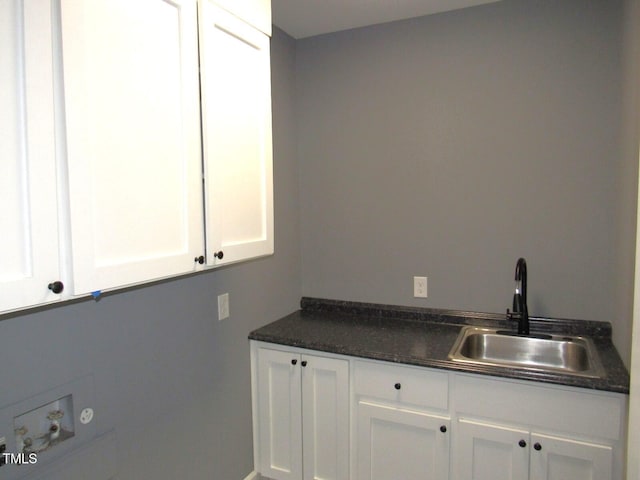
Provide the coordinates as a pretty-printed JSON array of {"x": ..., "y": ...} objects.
[
  {"x": 555, "y": 408},
  {"x": 408, "y": 385}
]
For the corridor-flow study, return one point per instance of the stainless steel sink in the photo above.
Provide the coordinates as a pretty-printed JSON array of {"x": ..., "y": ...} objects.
[{"x": 557, "y": 353}]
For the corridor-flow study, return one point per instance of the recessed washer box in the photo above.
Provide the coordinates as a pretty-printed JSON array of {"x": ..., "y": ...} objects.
[{"x": 46, "y": 427}]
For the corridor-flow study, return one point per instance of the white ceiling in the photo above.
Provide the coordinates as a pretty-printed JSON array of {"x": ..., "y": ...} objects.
[{"x": 305, "y": 18}]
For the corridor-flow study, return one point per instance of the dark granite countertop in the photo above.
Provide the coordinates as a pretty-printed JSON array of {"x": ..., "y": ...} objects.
[{"x": 423, "y": 337}]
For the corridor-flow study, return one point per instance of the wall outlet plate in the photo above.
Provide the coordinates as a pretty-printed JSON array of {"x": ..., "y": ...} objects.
[
  {"x": 420, "y": 287},
  {"x": 223, "y": 306}
]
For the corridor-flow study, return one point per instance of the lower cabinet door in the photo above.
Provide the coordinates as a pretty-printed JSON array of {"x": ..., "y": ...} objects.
[
  {"x": 325, "y": 418},
  {"x": 279, "y": 413},
  {"x": 303, "y": 416},
  {"x": 395, "y": 443},
  {"x": 554, "y": 458},
  {"x": 490, "y": 452}
]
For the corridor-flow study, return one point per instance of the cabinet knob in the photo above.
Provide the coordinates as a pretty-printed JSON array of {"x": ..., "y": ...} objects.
[
  {"x": 522, "y": 443},
  {"x": 537, "y": 446},
  {"x": 443, "y": 428},
  {"x": 56, "y": 287},
  {"x": 397, "y": 386},
  {"x": 219, "y": 255},
  {"x": 294, "y": 362},
  {"x": 303, "y": 363},
  {"x": 200, "y": 259}
]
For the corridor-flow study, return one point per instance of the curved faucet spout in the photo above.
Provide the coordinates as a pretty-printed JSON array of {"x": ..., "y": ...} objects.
[
  {"x": 520, "y": 309},
  {"x": 521, "y": 279}
]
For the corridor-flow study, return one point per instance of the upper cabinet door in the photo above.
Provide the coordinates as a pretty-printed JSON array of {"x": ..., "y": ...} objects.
[
  {"x": 236, "y": 116},
  {"x": 254, "y": 12},
  {"x": 133, "y": 140},
  {"x": 28, "y": 222}
]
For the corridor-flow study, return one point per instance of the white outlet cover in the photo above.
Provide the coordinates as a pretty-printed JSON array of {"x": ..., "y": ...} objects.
[
  {"x": 420, "y": 287},
  {"x": 86, "y": 415},
  {"x": 223, "y": 306}
]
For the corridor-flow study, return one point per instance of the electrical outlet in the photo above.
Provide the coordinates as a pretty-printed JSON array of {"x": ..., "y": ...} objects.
[
  {"x": 420, "y": 287},
  {"x": 223, "y": 306},
  {"x": 86, "y": 415}
]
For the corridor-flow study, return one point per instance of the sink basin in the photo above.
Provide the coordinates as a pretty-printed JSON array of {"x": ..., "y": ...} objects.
[{"x": 557, "y": 353}]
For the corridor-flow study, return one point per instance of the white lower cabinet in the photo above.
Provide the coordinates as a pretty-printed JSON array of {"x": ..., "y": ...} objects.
[
  {"x": 303, "y": 415},
  {"x": 497, "y": 452},
  {"x": 556, "y": 458},
  {"x": 491, "y": 451},
  {"x": 319, "y": 417},
  {"x": 512, "y": 430},
  {"x": 403, "y": 427},
  {"x": 395, "y": 443}
]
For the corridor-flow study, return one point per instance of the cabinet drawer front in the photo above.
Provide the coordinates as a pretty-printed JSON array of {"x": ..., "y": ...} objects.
[
  {"x": 408, "y": 385},
  {"x": 563, "y": 409}
]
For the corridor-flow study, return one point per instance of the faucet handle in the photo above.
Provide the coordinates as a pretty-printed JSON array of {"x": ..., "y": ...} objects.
[{"x": 511, "y": 316}]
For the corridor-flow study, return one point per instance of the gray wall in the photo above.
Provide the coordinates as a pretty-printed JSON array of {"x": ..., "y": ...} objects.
[
  {"x": 445, "y": 146},
  {"x": 450, "y": 145},
  {"x": 171, "y": 380}
]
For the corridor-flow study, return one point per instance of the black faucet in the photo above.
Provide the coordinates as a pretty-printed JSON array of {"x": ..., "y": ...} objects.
[{"x": 520, "y": 310}]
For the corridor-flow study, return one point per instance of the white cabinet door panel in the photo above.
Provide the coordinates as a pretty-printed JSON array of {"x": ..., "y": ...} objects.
[
  {"x": 279, "y": 412},
  {"x": 566, "y": 459},
  {"x": 325, "y": 418},
  {"x": 132, "y": 124},
  {"x": 236, "y": 117},
  {"x": 29, "y": 221},
  {"x": 490, "y": 452},
  {"x": 394, "y": 443}
]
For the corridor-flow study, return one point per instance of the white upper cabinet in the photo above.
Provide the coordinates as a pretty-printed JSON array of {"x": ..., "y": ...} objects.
[
  {"x": 254, "y": 12},
  {"x": 29, "y": 221},
  {"x": 133, "y": 140},
  {"x": 236, "y": 117},
  {"x": 117, "y": 162}
]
